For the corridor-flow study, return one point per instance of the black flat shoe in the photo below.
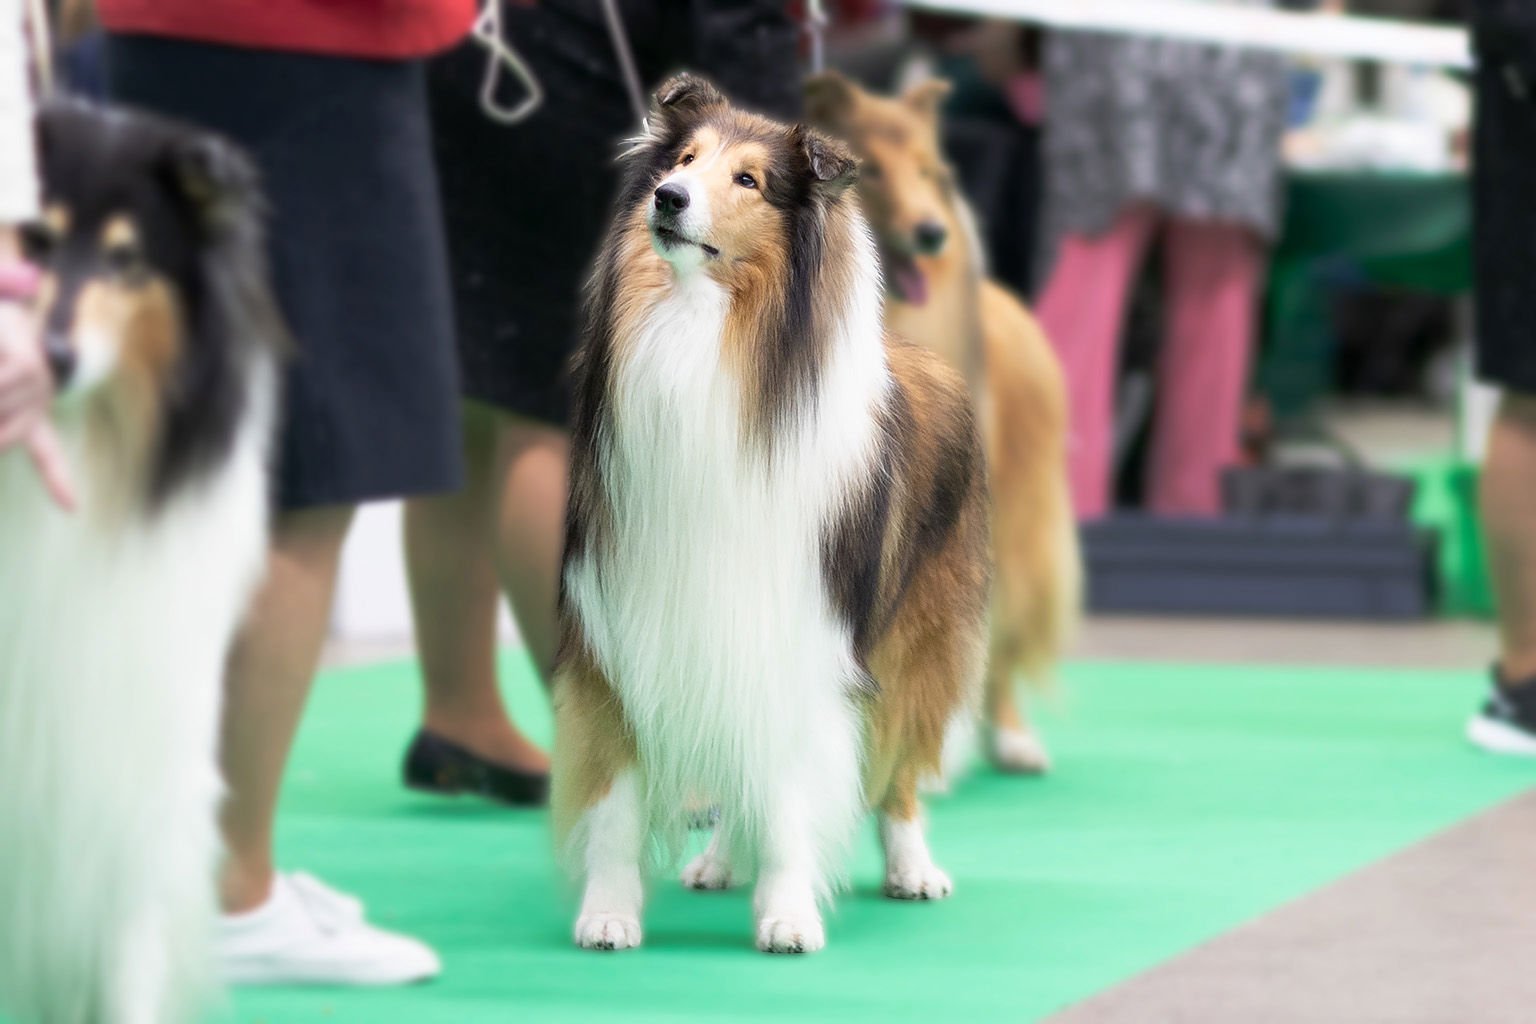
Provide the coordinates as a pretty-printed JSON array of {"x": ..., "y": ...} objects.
[{"x": 435, "y": 765}]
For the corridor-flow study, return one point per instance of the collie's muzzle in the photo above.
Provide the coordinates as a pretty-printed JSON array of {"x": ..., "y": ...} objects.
[{"x": 677, "y": 222}]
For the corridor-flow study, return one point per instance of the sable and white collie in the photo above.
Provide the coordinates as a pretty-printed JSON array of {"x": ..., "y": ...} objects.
[
  {"x": 115, "y": 618},
  {"x": 775, "y": 585},
  {"x": 941, "y": 298}
]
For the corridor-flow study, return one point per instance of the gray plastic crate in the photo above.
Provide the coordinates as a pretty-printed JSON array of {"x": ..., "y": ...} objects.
[{"x": 1291, "y": 566}]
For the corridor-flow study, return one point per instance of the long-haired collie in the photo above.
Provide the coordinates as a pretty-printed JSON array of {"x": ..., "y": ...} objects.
[
  {"x": 775, "y": 586},
  {"x": 940, "y": 297},
  {"x": 115, "y": 618}
]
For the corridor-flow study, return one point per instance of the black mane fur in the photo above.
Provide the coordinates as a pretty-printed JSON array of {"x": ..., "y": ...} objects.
[{"x": 197, "y": 202}]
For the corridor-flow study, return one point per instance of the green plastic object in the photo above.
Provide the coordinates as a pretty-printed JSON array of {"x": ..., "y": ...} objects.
[{"x": 1447, "y": 501}]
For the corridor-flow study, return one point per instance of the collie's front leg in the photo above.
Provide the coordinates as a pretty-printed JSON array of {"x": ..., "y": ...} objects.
[
  {"x": 805, "y": 823},
  {"x": 598, "y": 812},
  {"x": 807, "y": 826},
  {"x": 160, "y": 967},
  {"x": 788, "y": 920},
  {"x": 139, "y": 992},
  {"x": 615, "y": 842}
]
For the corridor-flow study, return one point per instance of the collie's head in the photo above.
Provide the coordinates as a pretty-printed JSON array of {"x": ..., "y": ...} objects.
[
  {"x": 153, "y": 299},
  {"x": 714, "y": 197},
  {"x": 727, "y": 193},
  {"x": 907, "y": 188}
]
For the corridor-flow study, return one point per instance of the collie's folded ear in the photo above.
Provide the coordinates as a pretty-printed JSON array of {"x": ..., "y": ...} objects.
[
  {"x": 686, "y": 95},
  {"x": 925, "y": 98},
  {"x": 213, "y": 176},
  {"x": 829, "y": 99},
  {"x": 833, "y": 167}
]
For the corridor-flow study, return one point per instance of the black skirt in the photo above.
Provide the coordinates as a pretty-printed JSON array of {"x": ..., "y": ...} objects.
[
  {"x": 1504, "y": 202},
  {"x": 358, "y": 261},
  {"x": 526, "y": 205}
]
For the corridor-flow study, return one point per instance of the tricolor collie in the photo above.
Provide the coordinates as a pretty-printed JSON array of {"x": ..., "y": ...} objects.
[
  {"x": 115, "y": 618},
  {"x": 776, "y": 578},
  {"x": 941, "y": 298}
]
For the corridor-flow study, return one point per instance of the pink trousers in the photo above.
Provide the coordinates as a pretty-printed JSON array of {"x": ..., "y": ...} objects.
[{"x": 1211, "y": 283}]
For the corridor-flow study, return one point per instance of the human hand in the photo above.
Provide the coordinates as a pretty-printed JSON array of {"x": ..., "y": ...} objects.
[{"x": 26, "y": 388}]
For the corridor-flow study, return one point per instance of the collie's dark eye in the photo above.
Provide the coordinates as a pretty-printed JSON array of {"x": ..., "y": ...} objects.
[
  {"x": 746, "y": 181},
  {"x": 37, "y": 241},
  {"x": 687, "y": 159},
  {"x": 124, "y": 260}
]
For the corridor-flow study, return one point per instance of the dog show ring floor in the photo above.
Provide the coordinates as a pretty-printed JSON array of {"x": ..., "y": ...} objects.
[{"x": 1193, "y": 807}]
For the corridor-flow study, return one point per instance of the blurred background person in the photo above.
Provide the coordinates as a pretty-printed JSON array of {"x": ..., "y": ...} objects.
[
  {"x": 25, "y": 384},
  {"x": 525, "y": 205},
  {"x": 1504, "y": 211},
  {"x": 330, "y": 101},
  {"x": 1145, "y": 139}
]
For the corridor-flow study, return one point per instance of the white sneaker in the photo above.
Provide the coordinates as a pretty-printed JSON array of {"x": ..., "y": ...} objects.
[{"x": 309, "y": 934}]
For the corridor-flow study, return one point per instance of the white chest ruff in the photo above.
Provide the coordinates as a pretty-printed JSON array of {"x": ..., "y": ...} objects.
[
  {"x": 706, "y": 606},
  {"x": 113, "y": 636}
]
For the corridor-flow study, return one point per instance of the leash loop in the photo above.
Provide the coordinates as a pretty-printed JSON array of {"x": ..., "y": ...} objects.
[
  {"x": 500, "y": 55},
  {"x": 626, "y": 55},
  {"x": 816, "y": 22}
]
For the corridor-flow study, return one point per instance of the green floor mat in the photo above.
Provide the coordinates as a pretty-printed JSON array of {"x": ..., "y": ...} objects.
[{"x": 1187, "y": 800}]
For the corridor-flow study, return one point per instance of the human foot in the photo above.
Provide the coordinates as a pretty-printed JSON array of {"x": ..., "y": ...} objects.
[{"x": 437, "y": 764}]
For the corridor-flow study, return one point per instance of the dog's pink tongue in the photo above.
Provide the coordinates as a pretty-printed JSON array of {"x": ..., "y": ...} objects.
[{"x": 911, "y": 283}]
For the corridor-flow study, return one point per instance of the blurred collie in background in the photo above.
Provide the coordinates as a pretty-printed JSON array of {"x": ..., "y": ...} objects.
[
  {"x": 938, "y": 295},
  {"x": 115, "y": 619}
]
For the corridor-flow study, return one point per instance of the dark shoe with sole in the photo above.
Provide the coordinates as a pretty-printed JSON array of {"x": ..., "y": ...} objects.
[
  {"x": 1507, "y": 722},
  {"x": 436, "y": 765}
]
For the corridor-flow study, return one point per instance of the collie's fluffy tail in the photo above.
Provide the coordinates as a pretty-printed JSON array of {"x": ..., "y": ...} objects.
[{"x": 1038, "y": 590}]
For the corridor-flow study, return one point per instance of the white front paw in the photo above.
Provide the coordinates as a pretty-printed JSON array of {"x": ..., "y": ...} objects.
[
  {"x": 607, "y": 931},
  {"x": 791, "y": 934},
  {"x": 921, "y": 882},
  {"x": 708, "y": 871}
]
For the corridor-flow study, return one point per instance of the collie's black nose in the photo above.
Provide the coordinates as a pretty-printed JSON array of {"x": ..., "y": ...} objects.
[
  {"x": 671, "y": 198},
  {"x": 61, "y": 358},
  {"x": 929, "y": 237}
]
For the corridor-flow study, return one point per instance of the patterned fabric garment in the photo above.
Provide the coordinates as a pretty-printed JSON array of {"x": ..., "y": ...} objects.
[{"x": 1192, "y": 129}]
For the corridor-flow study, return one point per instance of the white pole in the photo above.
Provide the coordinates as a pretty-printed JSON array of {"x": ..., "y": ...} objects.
[{"x": 1310, "y": 34}]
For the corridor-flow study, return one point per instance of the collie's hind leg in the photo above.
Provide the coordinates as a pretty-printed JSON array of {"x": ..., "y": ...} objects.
[
  {"x": 714, "y": 868},
  {"x": 931, "y": 676},
  {"x": 1013, "y": 744},
  {"x": 910, "y": 873},
  {"x": 598, "y": 810}
]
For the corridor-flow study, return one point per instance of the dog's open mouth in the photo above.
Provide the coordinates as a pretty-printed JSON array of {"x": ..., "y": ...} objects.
[
  {"x": 673, "y": 239},
  {"x": 905, "y": 279}
]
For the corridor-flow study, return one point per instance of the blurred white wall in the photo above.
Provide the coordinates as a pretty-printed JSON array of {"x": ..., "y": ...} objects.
[{"x": 372, "y": 602}]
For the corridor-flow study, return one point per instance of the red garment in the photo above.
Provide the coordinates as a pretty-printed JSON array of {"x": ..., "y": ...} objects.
[
  {"x": 1213, "y": 271},
  {"x": 343, "y": 28}
]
